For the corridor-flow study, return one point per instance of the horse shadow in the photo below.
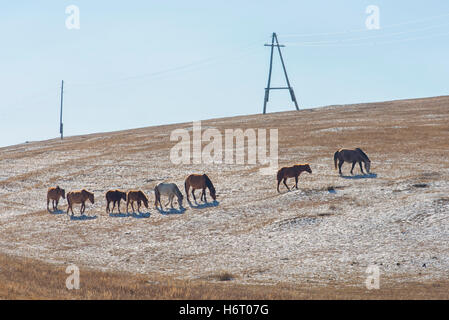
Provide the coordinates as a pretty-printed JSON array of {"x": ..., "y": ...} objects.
[
  {"x": 57, "y": 211},
  {"x": 197, "y": 205},
  {"x": 119, "y": 215},
  {"x": 82, "y": 218},
  {"x": 138, "y": 215},
  {"x": 181, "y": 210},
  {"x": 361, "y": 176}
]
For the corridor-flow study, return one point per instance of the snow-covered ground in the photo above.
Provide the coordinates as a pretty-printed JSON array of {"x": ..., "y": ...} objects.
[{"x": 330, "y": 229}]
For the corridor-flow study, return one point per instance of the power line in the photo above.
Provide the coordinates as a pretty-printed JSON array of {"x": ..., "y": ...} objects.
[{"x": 299, "y": 35}]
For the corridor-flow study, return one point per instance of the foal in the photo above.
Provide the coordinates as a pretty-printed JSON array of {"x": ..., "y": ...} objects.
[
  {"x": 290, "y": 172},
  {"x": 54, "y": 194}
]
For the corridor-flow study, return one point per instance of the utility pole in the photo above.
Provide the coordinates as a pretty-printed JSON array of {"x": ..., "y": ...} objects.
[
  {"x": 274, "y": 39},
  {"x": 61, "y": 131}
]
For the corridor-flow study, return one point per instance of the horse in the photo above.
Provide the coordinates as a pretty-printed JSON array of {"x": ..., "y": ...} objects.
[
  {"x": 139, "y": 197},
  {"x": 170, "y": 190},
  {"x": 354, "y": 156},
  {"x": 54, "y": 194},
  {"x": 114, "y": 196},
  {"x": 80, "y": 196},
  {"x": 290, "y": 172},
  {"x": 199, "y": 181}
]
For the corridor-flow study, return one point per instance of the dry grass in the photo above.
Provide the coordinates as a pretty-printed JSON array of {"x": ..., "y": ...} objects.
[
  {"x": 24, "y": 278},
  {"x": 254, "y": 235}
]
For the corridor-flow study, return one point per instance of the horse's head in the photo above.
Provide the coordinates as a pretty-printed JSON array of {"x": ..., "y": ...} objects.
[
  {"x": 62, "y": 191},
  {"x": 180, "y": 198},
  {"x": 91, "y": 197},
  {"x": 123, "y": 196},
  {"x": 307, "y": 167},
  {"x": 213, "y": 194},
  {"x": 367, "y": 165}
]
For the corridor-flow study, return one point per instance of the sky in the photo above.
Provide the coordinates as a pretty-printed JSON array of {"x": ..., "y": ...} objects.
[{"x": 139, "y": 63}]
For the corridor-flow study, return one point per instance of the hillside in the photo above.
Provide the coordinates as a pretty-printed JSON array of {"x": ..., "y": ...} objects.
[{"x": 325, "y": 233}]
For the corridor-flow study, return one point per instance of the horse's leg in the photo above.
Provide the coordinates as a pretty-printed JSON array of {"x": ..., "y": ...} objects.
[
  {"x": 296, "y": 182},
  {"x": 132, "y": 206},
  {"x": 127, "y": 205},
  {"x": 193, "y": 194},
  {"x": 352, "y": 168},
  {"x": 170, "y": 201},
  {"x": 187, "y": 187},
  {"x": 285, "y": 179},
  {"x": 118, "y": 206},
  {"x": 83, "y": 207},
  {"x": 361, "y": 169},
  {"x": 279, "y": 182},
  {"x": 204, "y": 194},
  {"x": 340, "y": 163}
]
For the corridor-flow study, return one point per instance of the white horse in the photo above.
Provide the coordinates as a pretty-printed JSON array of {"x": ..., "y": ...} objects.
[{"x": 170, "y": 190}]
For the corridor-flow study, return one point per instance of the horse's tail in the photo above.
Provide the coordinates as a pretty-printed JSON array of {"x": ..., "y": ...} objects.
[
  {"x": 280, "y": 175},
  {"x": 335, "y": 159},
  {"x": 157, "y": 195},
  {"x": 186, "y": 186},
  {"x": 69, "y": 202}
]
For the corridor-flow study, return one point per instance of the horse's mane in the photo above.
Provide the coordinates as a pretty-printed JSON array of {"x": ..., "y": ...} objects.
[
  {"x": 302, "y": 164},
  {"x": 208, "y": 182},
  {"x": 363, "y": 154},
  {"x": 178, "y": 192}
]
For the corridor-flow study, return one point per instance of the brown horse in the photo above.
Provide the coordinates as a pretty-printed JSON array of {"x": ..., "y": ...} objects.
[
  {"x": 54, "y": 194},
  {"x": 114, "y": 196},
  {"x": 199, "y": 181},
  {"x": 290, "y": 172},
  {"x": 80, "y": 196},
  {"x": 136, "y": 195},
  {"x": 354, "y": 156}
]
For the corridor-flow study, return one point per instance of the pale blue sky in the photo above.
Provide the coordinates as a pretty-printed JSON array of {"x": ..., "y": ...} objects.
[{"x": 141, "y": 63}]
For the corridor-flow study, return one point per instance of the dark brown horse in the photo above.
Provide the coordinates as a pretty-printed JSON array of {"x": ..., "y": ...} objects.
[
  {"x": 138, "y": 196},
  {"x": 199, "y": 181},
  {"x": 114, "y": 196},
  {"x": 80, "y": 196},
  {"x": 54, "y": 194},
  {"x": 354, "y": 156},
  {"x": 290, "y": 172}
]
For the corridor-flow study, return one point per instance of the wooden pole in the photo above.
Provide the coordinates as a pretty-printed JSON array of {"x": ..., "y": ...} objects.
[{"x": 61, "y": 131}]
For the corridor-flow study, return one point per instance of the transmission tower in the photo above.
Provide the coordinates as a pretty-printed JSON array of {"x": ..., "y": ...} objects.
[{"x": 268, "y": 88}]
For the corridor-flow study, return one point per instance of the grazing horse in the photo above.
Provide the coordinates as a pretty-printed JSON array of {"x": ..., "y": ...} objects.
[
  {"x": 290, "y": 172},
  {"x": 54, "y": 194},
  {"x": 199, "y": 181},
  {"x": 80, "y": 196},
  {"x": 170, "y": 190},
  {"x": 354, "y": 156},
  {"x": 139, "y": 197},
  {"x": 114, "y": 196}
]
